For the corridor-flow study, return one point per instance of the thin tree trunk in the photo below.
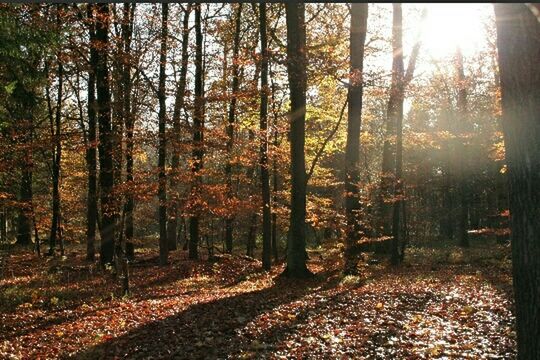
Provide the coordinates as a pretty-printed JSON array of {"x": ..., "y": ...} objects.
[
  {"x": 447, "y": 217},
  {"x": 518, "y": 42},
  {"x": 117, "y": 87},
  {"x": 127, "y": 31},
  {"x": 24, "y": 229},
  {"x": 60, "y": 234},
  {"x": 359, "y": 14},
  {"x": 91, "y": 165},
  {"x": 265, "y": 177},
  {"x": 397, "y": 118},
  {"x": 388, "y": 179},
  {"x": 106, "y": 177},
  {"x": 198, "y": 129},
  {"x": 172, "y": 226},
  {"x": 296, "y": 69},
  {"x": 122, "y": 264},
  {"x": 231, "y": 122},
  {"x": 447, "y": 221},
  {"x": 3, "y": 225},
  {"x": 57, "y": 153},
  {"x": 275, "y": 175},
  {"x": 36, "y": 234},
  {"x": 400, "y": 81},
  {"x": 162, "y": 150},
  {"x": 463, "y": 184},
  {"x": 24, "y": 219}
]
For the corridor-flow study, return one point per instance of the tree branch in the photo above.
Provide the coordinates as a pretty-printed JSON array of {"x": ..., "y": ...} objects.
[{"x": 326, "y": 141}]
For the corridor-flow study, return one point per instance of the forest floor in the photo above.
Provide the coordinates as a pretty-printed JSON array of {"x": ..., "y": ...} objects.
[{"x": 443, "y": 302}]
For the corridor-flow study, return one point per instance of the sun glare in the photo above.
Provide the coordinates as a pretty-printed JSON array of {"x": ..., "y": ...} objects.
[{"x": 448, "y": 26}]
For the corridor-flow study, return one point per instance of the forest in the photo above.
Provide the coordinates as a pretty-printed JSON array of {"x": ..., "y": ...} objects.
[{"x": 269, "y": 181}]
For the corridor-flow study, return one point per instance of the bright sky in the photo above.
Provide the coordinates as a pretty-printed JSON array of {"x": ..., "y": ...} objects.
[
  {"x": 446, "y": 27},
  {"x": 450, "y": 25}
]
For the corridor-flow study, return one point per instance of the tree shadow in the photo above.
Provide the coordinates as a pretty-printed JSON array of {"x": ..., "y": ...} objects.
[
  {"x": 327, "y": 312},
  {"x": 203, "y": 330}
]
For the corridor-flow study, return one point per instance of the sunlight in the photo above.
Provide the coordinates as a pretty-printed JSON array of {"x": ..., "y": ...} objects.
[{"x": 450, "y": 25}]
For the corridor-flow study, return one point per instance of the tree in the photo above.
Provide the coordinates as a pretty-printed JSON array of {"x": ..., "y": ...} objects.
[
  {"x": 162, "y": 146},
  {"x": 463, "y": 186},
  {"x": 179, "y": 104},
  {"x": 518, "y": 43},
  {"x": 275, "y": 171},
  {"x": 400, "y": 81},
  {"x": 198, "y": 128},
  {"x": 56, "y": 134},
  {"x": 231, "y": 120},
  {"x": 24, "y": 219},
  {"x": 296, "y": 71},
  {"x": 91, "y": 163},
  {"x": 265, "y": 177},
  {"x": 359, "y": 15},
  {"x": 127, "y": 33},
  {"x": 106, "y": 176},
  {"x": 22, "y": 76},
  {"x": 394, "y": 115}
]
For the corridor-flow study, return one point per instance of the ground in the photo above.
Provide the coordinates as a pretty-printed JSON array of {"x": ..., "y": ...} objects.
[{"x": 443, "y": 302}]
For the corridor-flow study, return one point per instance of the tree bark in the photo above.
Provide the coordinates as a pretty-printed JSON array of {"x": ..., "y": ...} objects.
[
  {"x": 463, "y": 183},
  {"x": 91, "y": 161},
  {"x": 397, "y": 118},
  {"x": 198, "y": 130},
  {"x": 179, "y": 104},
  {"x": 265, "y": 177},
  {"x": 400, "y": 81},
  {"x": 162, "y": 147},
  {"x": 127, "y": 32},
  {"x": 359, "y": 14},
  {"x": 275, "y": 175},
  {"x": 57, "y": 151},
  {"x": 106, "y": 177},
  {"x": 518, "y": 43},
  {"x": 296, "y": 70},
  {"x": 24, "y": 229},
  {"x": 231, "y": 122},
  {"x": 3, "y": 225}
]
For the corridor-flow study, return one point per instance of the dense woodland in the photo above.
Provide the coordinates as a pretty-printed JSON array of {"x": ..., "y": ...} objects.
[{"x": 251, "y": 180}]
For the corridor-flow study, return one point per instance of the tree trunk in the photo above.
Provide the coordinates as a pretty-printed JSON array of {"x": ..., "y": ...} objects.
[
  {"x": 91, "y": 165},
  {"x": 127, "y": 32},
  {"x": 162, "y": 147},
  {"x": 57, "y": 152},
  {"x": 231, "y": 120},
  {"x": 24, "y": 117},
  {"x": 275, "y": 175},
  {"x": 296, "y": 69},
  {"x": 106, "y": 177},
  {"x": 447, "y": 217},
  {"x": 172, "y": 226},
  {"x": 265, "y": 177},
  {"x": 3, "y": 225},
  {"x": 198, "y": 129},
  {"x": 251, "y": 235},
  {"x": 400, "y": 80},
  {"x": 359, "y": 14},
  {"x": 463, "y": 183},
  {"x": 449, "y": 176},
  {"x": 24, "y": 229},
  {"x": 397, "y": 117},
  {"x": 518, "y": 42}
]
